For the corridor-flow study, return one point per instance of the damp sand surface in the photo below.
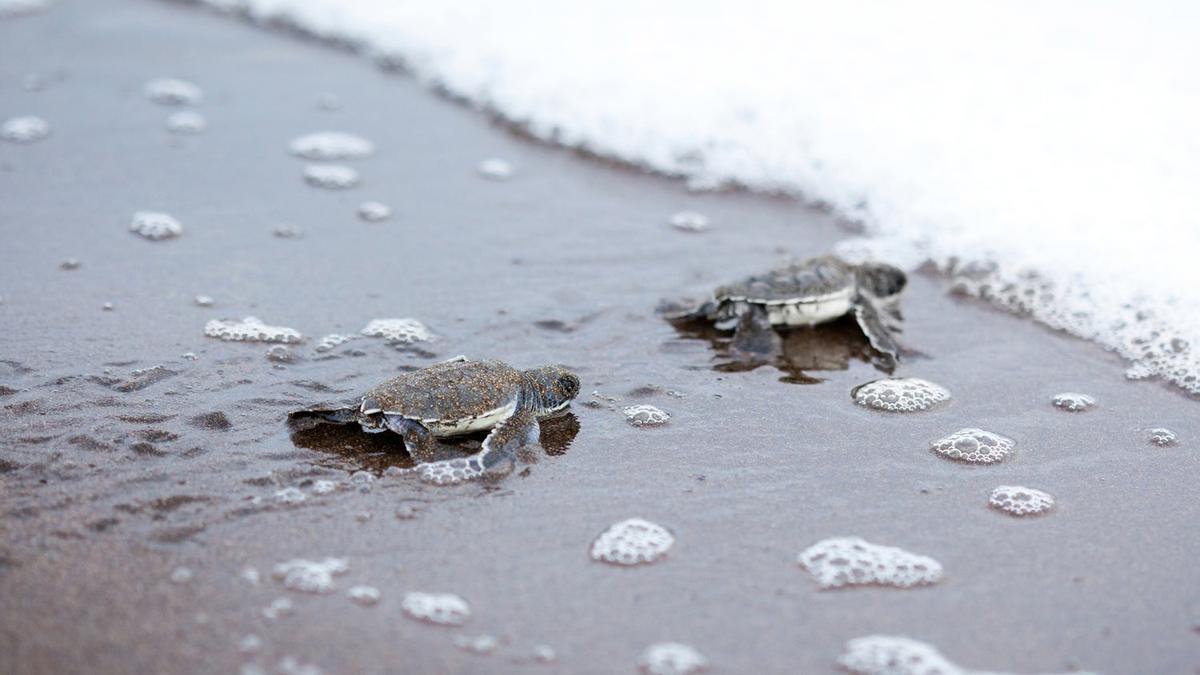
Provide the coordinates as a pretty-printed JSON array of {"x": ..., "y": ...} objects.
[{"x": 123, "y": 462}]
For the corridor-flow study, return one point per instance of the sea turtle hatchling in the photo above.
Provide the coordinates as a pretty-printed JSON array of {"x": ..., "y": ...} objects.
[
  {"x": 459, "y": 397},
  {"x": 802, "y": 294}
]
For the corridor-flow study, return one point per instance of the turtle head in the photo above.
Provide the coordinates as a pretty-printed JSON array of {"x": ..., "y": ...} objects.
[
  {"x": 550, "y": 388},
  {"x": 880, "y": 280}
]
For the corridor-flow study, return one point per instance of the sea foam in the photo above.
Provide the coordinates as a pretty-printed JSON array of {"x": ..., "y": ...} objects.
[{"x": 1042, "y": 158}]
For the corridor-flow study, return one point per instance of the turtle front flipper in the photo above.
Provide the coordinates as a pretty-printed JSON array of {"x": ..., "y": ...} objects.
[
  {"x": 876, "y": 330},
  {"x": 499, "y": 450},
  {"x": 754, "y": 336},
  {"x": 421, "y": 444}
]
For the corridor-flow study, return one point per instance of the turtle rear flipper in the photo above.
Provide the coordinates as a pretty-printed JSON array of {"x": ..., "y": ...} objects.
[
  {"x": 754, "y": 336},
  {"x": 342, "y": 415},
  {"x": 498, "y": 453},
  {"x": 876, "y": 330}
]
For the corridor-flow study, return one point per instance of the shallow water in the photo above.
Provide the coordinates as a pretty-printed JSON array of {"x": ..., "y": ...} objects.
[{"x": 123, "y": 460}]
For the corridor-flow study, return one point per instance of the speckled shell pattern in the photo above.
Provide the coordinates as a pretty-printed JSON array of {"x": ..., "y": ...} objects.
[
  {"x": 450, "y": 391},
  {"x": 798, "y": 281}
]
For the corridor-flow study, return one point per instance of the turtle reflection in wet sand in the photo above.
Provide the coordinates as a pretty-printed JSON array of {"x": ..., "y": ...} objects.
[
  {"x": 455, "y": 398},
  {"x": 808, "y": 293}
]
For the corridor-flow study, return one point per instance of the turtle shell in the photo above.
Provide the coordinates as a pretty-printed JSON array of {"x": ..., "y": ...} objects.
[
  {"x": 453, "y": 397},
  {"x": 804, "y": 293}
]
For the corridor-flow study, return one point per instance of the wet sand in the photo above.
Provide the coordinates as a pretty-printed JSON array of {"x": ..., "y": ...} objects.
[{"x": 109, "y": 481}]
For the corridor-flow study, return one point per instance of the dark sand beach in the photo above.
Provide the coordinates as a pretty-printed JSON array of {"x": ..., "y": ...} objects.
[{"x": 113, "y": 477}]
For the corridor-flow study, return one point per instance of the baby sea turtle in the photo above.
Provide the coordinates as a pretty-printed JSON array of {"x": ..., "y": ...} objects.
[
  {"x": 459, "y": 397},
  {"x": 802, "y": 294}
]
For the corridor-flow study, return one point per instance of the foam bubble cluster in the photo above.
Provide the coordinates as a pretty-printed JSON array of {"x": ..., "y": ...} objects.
[
  {"x": 333, "y": 341},
  {"x": 398, "y": 331},
  {"x": 974, "y": 446},
  {"x": 1074, "y": 402},
  {"x": 330, "y": 176},
  {"x": 1162, "y": 437},
  {"x": 289, "y": 495},
  {"x": 851, "y": 561},
  {"x": 672, "y": 658},
  {"x": 309, "y": 576},
  {"x": 450, "y": 471},
  {"x": 901, "y": 394},
  {"x": 646, "y": 416},
  {"x": 893, "y": 655},
  {"x": 26, "y": 129},
  {"x": 1016, "y": 500},
  {"x": 480, "y": 644},
  {"x": 444, "y": 609},
  {"x": 186, "y": 122},
  {"x": 249, "y": 329},
  {"x": 632, "y": 542},
  {"x": 364, "y": 595},
  {"x": 171, "y": 91},
  {"x": 374, "y": 212},
  {"x": 330, "y": 145},
  {"x": 689, "y": 221},
  {"x": 496, "y": 169},
  {"x": 155, "y": 226}
]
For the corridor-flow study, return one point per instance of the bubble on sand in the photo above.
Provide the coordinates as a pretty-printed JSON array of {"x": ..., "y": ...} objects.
[
  {"x": 250, "y": 644},
  {"x": 1016, "y": 500},
  {"x": 181, "y": 575},
  {"x": 450, "y": 471},
  {"x": 901, "y": 394},
  {"x": 1073, "y": 402},
  {"x": 374, "y": 212},
  {"x": 155, "y": 225},
  {"x": 331, "y": 145},
  {"x": 280, "y": 354},
  {"x": 108, "y": 307},
  {"x": 279, "y": 607},
  {"x": 289, "y": 495},
  {"x": 13, "y": 8},
  {"x": 544, "y": 654},
  {"x": 70, "y": 264},
  {"x": 851, "y": 561},
  {"x": 480, "y": 644},
  {"x": 204, "y": 301},
  {"x": 364, "y": 595},
  {"x": 25, "y": 129},
  {"x": 333, "y": 341},
  {"x": 186, "y": 122},
  {"x": 1163, "y": 438},
  {"x": 689, "y": 221},
  {"x": 171, "y": 91},
  {"x": 444, "y": 609},
  {"x": 250, "y": 575},
  {"x": 974, "y": 446},
  {"x": 249, "y": 329},
  {"x": 309, "y": 576},
  {"x": 330, "y": 176},
  {"x": 632, "y": 542},
  {"x": 323, "y": 487},
  {"x": 646, "y": 416},
  {"x": 672, "y": 658},
  {"x": 892, "y": 655},
  {"x": 496, "y": 169},
  {"x": 398, "y": 331},
  {"x": 289, "y": 665}
]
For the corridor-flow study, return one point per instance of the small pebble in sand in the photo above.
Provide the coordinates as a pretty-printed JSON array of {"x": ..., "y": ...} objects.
[
  {"x": 362, "y": 516},
  {"x": 374, "y": 212},
  {"x": 672, "y": 658},
  {"x": 171, "y": 91},
  {"x": 444, "y": 609},
  {"x": 496, "y": 169},
  {"x": 406, "y": 512},
  {"x": 289, "y": 495},
  {"x": 330, "y": 176},
  {"x": 309, "y": 576},
  {"x": 646, "y": 416},
  {"x": 186, "y": 122},
  {"x": 70, "y": 264},
  {"x": 1016, "y": 500},
  {"x": 108, "y": 307},
  {"x": 1074, "y": 402},
  {"x": 974, "y": 446},
  {"x": 155, "y": 225},
  {"x": 324, "y": 146},
  {"x": 632, "y": 542},
  {"x": 364, "y": 595},
  {"x": 1163, "y": 438},
  {"x": 249, "y": 329},
  {"x": 328, "y": 102},
  {"x": 480, "y": 644},
  {"x": 26, "y": 129},
  {"x": 689, "y": 221},
  {"x": 204, "y": 301},
  {"x": 903, "y": 394},
  {"x": 851, "y": 561},
  {"x": 181, "y": 575}
]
